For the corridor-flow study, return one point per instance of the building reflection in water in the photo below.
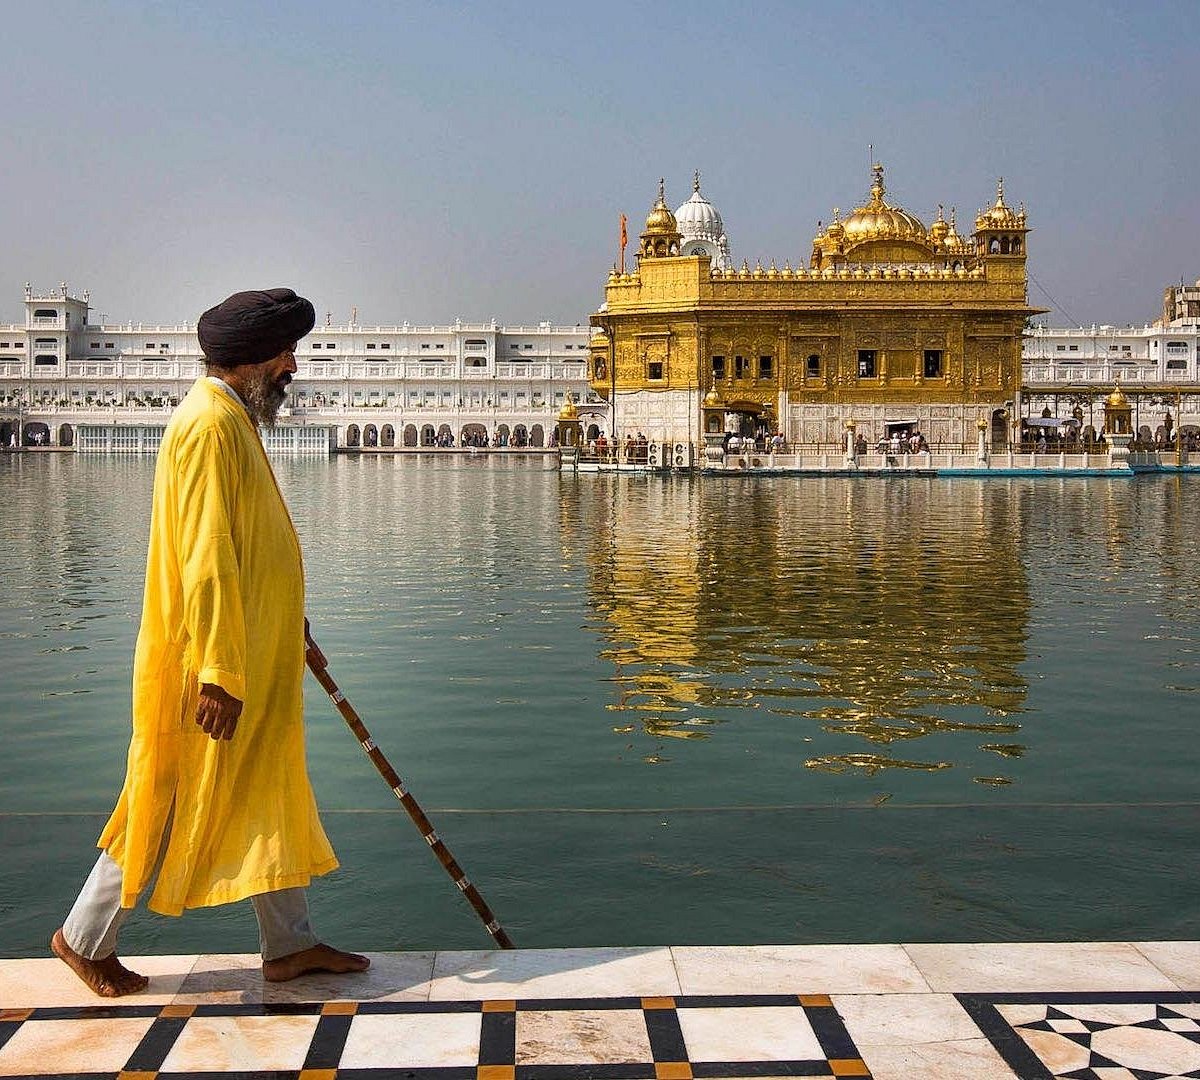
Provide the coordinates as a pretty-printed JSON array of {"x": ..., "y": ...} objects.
[{"x": 882, "y": 612}]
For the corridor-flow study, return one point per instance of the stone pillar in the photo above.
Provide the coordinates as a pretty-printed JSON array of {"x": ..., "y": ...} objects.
[
  {"x": 851, "y": 453},
  {"x": 981, "y": 450}
]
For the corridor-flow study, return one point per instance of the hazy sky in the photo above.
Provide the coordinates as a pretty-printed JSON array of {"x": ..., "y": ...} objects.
[{"x": 426, "y": 161}]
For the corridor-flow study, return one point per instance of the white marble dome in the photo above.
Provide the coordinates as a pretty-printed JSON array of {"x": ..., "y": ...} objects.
[{"x": 701, "y": 228}]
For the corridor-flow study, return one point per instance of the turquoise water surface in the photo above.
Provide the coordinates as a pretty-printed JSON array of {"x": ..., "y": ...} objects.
[{"x": 647, "y": 709}]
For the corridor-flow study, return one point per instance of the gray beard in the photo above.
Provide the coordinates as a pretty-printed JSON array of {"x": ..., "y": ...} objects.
[{"x": 262, "y": 397}]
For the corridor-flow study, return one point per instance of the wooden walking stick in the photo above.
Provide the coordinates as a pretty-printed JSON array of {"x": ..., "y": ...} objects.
[{"x": 318, "y": 665}]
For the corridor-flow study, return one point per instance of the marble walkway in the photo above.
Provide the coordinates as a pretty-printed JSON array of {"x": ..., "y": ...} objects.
[{"x": 1097, "y": 1010}]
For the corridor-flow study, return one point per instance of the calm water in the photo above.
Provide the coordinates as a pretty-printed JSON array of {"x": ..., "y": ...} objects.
[{"x": 645, "y": 710}]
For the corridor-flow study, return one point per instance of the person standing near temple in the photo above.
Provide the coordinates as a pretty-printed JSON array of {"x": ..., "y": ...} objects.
[{"x": 217, "y": 806}]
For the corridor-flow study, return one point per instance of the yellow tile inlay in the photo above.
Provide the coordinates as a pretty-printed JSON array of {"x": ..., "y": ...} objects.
[
  {"x": 816, "y": 999},
  {"x": 495, "y": 1072},
  {"x": 125, "y": 1075},
  {"x": 15, "y": 1014},
  {"x": 500, "y": 1006},
  {"x": 177, "y": 1010},
  {"x": 658, "y": 1003},
  {"x": 339, "y": 1008},
  {"x": 848, "y": 1067},
  {"x": 318, "y": 1074},
  {"x": 672, "y": 1070}
]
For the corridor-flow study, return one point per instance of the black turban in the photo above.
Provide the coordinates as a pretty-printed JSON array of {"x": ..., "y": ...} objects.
[{"x": 251, "y": 327}]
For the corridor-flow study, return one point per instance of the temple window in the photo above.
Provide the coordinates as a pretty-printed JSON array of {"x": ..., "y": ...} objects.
[
  {"x": 933, "y": 363},
  {"x": 718, "y": 367},
  {"x": 866, "y": 363},
  {"x": 654, "y": 370},
  {"x": 740, "y": 367},
  {"x": 812, "y": 367},
  {"x": 766, "y": 367}
]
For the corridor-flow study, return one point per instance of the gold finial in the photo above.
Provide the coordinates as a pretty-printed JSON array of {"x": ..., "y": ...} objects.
[
  {"x": 1000, "y": 191},
  {"x": 877, "y": 188},
  {"x": 696, "y": 181},
  {"x": 662, "y": 191}
]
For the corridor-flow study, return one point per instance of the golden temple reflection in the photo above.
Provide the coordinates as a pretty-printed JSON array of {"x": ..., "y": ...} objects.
[
  {"x": 870, "y": 763},
  {"x": 846, "y": 611}
]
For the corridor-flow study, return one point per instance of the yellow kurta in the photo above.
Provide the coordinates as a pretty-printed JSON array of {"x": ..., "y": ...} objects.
[{"x": 224, "y": 604}]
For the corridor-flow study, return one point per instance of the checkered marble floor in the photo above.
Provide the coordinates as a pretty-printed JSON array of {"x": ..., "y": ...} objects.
[{"x": 1098, "y": 1010}]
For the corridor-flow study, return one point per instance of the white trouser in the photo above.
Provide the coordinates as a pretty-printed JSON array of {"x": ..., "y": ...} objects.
[{"x": 92, "y": 927}]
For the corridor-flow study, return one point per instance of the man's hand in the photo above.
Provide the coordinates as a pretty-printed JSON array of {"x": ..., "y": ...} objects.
[{"x": 217, "y": 712}]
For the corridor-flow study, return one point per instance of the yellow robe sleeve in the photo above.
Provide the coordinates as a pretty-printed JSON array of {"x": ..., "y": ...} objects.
[{"x": 207, "y": 492}]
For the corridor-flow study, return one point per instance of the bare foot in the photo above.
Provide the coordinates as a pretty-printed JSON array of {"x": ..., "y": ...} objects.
[
  {"x": 107, "y": 977},
  {"x": 318, "y": 958}
]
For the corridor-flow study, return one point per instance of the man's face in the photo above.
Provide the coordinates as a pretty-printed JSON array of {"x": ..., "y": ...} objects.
[{"x": 266, "y": 386}]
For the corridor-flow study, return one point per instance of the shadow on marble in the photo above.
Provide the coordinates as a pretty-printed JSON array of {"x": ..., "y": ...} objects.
[
  {"x": 797, "y": 969},
  {"x": 553, "y": 973},
  {"x": 49, "y": 983},
  {"x": 237, "y": 979}
]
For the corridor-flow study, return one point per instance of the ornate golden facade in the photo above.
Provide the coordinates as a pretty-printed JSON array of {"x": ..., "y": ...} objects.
[{"x": 890, "y": 323}]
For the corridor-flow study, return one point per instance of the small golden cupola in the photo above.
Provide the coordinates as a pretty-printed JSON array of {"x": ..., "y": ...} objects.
[
  {"x": 1000, "y": 230},
  {"x": 662, "y": 236},
  {"x": 876, "y": 232},
  {"x": 953, "y": 242},
  {"x": 940, "y": 229}
]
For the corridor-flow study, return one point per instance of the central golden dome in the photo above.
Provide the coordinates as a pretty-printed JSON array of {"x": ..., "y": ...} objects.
[{"x": 880, "y": 221}]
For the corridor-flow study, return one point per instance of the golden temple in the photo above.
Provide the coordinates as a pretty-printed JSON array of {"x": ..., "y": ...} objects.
[{"x": 892, "y": 325}]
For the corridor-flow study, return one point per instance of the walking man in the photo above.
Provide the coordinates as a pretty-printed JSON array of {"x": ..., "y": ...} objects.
[{"x": 217, "y": 805}]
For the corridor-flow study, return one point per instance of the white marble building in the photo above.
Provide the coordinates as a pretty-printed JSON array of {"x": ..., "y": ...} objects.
[
  {"x": 66, "y": 380},
  {"x": 1157, "y": 366}
]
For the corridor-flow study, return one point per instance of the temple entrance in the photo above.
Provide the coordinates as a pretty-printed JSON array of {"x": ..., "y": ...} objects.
[{"x": 749, "y": 422}]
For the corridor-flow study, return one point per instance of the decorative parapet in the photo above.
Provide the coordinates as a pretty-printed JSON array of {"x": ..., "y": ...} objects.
[{"x": 851, "y": 273}]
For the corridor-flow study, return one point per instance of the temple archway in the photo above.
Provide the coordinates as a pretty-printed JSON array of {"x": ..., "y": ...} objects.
[{"x": 472, "y": 435}]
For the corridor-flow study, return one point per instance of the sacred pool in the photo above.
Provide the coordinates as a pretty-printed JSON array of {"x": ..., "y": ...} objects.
[{"x": 646, "y": 709}]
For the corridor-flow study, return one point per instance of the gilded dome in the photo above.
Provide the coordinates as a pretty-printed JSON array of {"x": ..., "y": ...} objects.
[
  {"x": 1000, "y": 215},
  {"x": 940, "y": 228},
  {"x": 952, "y": 241},
  {"x": 661, "y": 220},
  {"x": 1117, "y": 399},
  {"x": 569, "y": 412},
  {"x": 878, "y": 220}
]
